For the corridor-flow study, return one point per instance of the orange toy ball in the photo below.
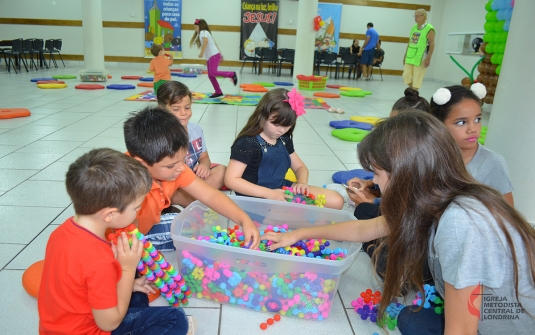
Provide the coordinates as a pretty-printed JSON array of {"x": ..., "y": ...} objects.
[
  {"x": 263, "y": 326},
  {"x": 31, "y": 278},
  {"x": 277, "y": 317}
]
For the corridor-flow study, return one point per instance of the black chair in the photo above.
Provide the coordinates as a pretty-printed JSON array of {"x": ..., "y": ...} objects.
[
  {"x": 317, "y": 62},
  {"x": 49, "y": 49},
  {"x": 350, "y": 61},
  {"x": 38, "y": 52},
  {"x": 27, "y": 50},
  {"x": 271, "y": 56},
  {"x": 16, "y": 53},
  {"x": 57, "y": 49},
  {"x": 288, "y": 56},
  {"x": 380, "y": 71},
  {"x": 329, "y": 59},
  {"x": 343, "y": 51},
  {"x": 255, "y": 58}
]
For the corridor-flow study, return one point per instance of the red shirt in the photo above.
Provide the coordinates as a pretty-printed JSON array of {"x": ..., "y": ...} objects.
[
  {"x": 158, "y": 198},
  {"x": 80, "y": 274},
  {"x": 160, "y": 65}
]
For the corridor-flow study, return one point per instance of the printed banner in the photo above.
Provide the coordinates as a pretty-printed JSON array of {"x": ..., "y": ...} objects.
[
  {"x": 327, "y": 37},
  {"x": 259, "y": 26},
  {"x": 163, "y": 25}
]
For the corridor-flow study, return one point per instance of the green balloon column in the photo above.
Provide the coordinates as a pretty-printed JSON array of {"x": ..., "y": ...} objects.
[{"x": 497, "y": 22}]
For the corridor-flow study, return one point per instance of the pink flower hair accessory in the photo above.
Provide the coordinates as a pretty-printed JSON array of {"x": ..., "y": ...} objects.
[
  {"x": 296, "y": 101},
  {"x": 196, "y": 22}
]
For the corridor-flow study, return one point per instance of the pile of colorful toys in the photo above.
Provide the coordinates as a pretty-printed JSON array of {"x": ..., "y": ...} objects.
[
  {"x": 157, "y": 270},
  {"x": 304, "y": 295},
  {"x": 305, "y": 199},
  {"x": 306, "y": 248},
  {"x": 367, "y": 306},
  {"x": 430, "y": 297}
]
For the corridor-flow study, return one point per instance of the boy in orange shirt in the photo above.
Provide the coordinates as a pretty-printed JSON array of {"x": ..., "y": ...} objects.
[
  {"x": 156, "y": 138},
  {"x": 160, "y": 66},
  {"x": 88, "y": 286}
]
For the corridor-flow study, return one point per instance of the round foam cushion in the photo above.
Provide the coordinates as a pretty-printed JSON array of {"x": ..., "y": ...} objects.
[
  {"x": 334, "y": 86},
  {"x": 350, "y": 134},
  {"x": 51, "y": 85},
  {"x": 263, "y": 83},
  {"x": 149, "y": 71},
  {"x": 290, "y": 175},
  {"x": 64, "y": 76},
  {"x": 282, "y": 83},
  {"x": 146, "y": 79},
  {"x": 204, "y": 71},
  {"x": 350, "y": 124},
  {"x": 353, "y": 94},
  {"x": 366, "y": 119},
  {"x": 120, "y": 87},
  {"x": 131, "y": 77},
  {"x": 33, "y": 80},
  {"x": 175, "y": 70},
  {"x": 10, "y": 113},
  {"x": 50, "y": 82},
  {"x": 254, "y": 89},
  {"x": 31, "y": 278},
  {"x": 347, "y": 88},
  {"x": 326, "y": 95},
  {"x": 186, "y": 75},
  {"x": 89, "y": 87},
  {"x": 109, "y": 76},
  {"x": 250, "y": 85},
  {"x": 367, "y": 92},
  {"x": 342, "y": 177},
  {"x": 145, "y": 84}
]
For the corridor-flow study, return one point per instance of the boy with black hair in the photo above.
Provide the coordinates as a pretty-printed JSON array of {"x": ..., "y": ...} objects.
[
  {"x": 156, "y": 138},
  {"x": 88, "y": 286}
]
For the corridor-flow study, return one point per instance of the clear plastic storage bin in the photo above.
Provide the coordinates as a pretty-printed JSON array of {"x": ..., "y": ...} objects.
[
  {"x": 192, "y": 68},
  {"x": 293, "y": 286},
  {"x": 93, "y": 75}
]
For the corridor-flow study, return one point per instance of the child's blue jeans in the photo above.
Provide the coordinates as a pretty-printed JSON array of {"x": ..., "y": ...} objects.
[
  {"x": 424, "y": 322},
  {"x": 142, "y": 319}
]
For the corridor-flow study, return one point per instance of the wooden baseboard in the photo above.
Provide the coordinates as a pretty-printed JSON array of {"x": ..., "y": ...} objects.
[{"x": 232, "y": 63}]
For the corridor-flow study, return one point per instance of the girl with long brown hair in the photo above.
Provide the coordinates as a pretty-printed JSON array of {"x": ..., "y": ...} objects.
[
  {"x": 263, "y": 152},
  {"x": 480, "y": 249},
  {"x": 202, "y": 38}
]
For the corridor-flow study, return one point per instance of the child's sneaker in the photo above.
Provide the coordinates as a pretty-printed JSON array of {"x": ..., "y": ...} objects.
[
  {"x": 192, "y": 325},
  {"x": 235, "y": 79}
]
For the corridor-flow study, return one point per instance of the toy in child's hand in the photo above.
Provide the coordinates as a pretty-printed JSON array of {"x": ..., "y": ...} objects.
[
  {"x": 306, "y": 248},
  {"x": 305, "y": 199},
  {"x": 156, "y": 269}
]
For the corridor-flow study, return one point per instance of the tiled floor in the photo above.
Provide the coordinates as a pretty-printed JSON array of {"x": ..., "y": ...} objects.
[{"x": 35, "y": 153}]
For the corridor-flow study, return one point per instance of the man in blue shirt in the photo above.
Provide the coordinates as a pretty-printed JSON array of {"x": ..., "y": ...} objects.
[{"x": 367, "y": 51}]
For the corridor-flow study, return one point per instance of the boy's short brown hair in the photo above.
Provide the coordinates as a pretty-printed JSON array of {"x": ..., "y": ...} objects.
[
  {"x": 105, "y": 178},
  {"x": 155, "y": 49}
]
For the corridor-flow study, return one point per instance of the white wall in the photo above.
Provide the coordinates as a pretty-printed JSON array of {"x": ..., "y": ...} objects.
[
  {"x": 457, "y": 16},
  {"x": 129, "y": 42}
]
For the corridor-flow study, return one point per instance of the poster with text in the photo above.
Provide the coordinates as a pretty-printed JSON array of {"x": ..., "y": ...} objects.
[
  {"x": 163, "y": 25},
  {"x": 327, "y": 37},
  {"x": 259, "y": 26}
]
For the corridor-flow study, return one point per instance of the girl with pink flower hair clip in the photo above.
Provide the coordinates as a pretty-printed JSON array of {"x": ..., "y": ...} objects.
[{"x": 263, "y": 152}]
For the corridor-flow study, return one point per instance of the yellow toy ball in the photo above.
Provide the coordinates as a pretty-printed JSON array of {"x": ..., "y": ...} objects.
[{"x": 322, "y": 23}]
